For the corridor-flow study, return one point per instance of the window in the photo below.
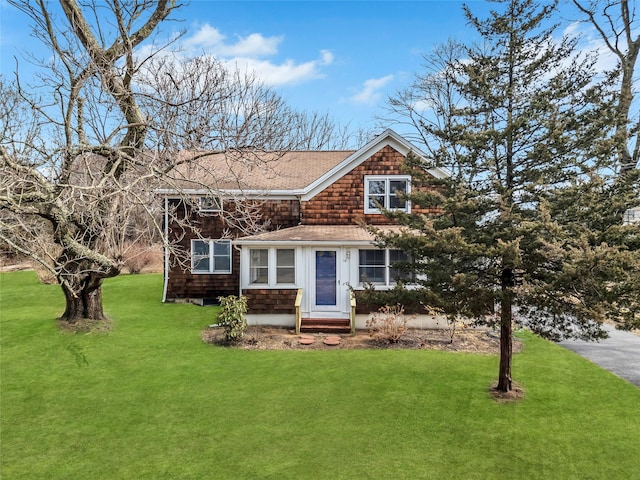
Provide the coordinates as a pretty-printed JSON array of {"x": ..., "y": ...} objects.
[
  {"x": 209, "y": 204},
  {"x": 385, "y": 193},
  {"x": 259, "y": 266},
  {"x": 377, "y": 266},
  {"x": 275, "y": 266},
  {"x": 631, "y": 216},
  {"x": 285, "y": 266},
  {"x": 210, "y": 256}
]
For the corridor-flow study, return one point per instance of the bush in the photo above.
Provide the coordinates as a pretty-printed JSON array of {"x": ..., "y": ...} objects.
[
  {"x": 137, "y": 256},
  {"x": 232, "y": 316},
  {"x": 389, "y": 324}
]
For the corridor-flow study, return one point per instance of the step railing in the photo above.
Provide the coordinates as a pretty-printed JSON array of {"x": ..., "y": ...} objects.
[
  {"x": 298, "y": 305},
  {"x": 352, "y": 313}
]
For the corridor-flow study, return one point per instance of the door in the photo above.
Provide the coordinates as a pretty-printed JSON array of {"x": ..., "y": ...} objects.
[{"x": 326, "y": 278}]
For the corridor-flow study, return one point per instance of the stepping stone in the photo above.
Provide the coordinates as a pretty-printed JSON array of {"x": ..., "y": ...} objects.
[
  {"x": 332, "y": 341},
  {"x": 306, "y": 340}
]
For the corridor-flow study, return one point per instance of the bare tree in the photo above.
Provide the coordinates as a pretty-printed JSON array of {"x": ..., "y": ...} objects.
[
  {"x": 107, "y": 121},
  {"x": 617, "y": 24}
]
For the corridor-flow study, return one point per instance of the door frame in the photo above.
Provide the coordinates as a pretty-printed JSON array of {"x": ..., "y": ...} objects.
[{"x": 328, "y": 311}]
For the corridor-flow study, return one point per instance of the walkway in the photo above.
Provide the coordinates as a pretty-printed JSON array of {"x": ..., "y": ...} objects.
[{"x": 620, "y": 353}]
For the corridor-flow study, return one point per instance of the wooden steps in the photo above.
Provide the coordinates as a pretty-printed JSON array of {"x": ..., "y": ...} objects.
[{"x": 325, "y": 325}]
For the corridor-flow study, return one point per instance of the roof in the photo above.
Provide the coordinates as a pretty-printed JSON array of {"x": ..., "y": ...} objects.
[
  {"x": 319, "y": 234},
  {"x": 300, "y": 173},
  {"x": 252, "y": 170}
]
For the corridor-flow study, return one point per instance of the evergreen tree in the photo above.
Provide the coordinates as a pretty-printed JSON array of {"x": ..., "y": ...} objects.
[{"x": 525, "y": 135}]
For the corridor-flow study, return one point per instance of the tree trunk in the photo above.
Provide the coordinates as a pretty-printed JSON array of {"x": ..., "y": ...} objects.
[
  {"x": 85, "y": 303},
  {"x": 506, "y": 331}
]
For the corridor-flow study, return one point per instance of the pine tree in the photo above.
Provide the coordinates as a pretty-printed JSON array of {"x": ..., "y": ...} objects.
[{"x": 515, "y": 120}]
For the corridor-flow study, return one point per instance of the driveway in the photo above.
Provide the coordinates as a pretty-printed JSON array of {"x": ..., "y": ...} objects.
[{"x": 620, "y": 353}]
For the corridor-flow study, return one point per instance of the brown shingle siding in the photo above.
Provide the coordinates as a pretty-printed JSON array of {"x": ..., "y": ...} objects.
[
  {"x": 342, "y": 203},
  {"x": 184, "y": 284},
  {"x": 271, "y": 301}
]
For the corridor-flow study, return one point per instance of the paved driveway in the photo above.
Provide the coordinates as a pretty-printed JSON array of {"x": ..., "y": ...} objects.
[{"x": 620, "y": 353}]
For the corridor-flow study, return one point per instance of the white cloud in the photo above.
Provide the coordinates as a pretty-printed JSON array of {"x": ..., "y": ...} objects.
[
  {"x": 252, "y": 52},
  {"x": 591, "y": 42},
  {"x": 211, "y": 40},
  {"x": 371, "y": 90},
  {"x": 285, "y": 73}
]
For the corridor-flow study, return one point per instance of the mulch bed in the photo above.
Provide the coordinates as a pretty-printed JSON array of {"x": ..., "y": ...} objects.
[{"x": 277, "y": 338}]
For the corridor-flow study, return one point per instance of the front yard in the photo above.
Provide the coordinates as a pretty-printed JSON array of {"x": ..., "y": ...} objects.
[{"x": 149, "y": 399}]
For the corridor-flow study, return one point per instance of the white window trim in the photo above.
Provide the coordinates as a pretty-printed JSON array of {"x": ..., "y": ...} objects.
[
  {"x": 387, "y": 270},
  {"x": 211, "y": 270},
  {"x": 387, "y": 179},
  {"x": 272, "y": 268}
]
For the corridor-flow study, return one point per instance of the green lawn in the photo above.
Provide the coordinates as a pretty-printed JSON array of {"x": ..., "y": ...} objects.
[{"x": 149, "y": 400}]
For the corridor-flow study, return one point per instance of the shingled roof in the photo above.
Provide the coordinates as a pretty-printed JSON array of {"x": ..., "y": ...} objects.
[
  {"x": 321, "y": 233},
  {"x": 250, "y": 171},
  {"x": 257, "y": 171}
]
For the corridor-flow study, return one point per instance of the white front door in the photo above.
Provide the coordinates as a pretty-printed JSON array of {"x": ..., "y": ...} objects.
[{"x": 327, "y": 287}]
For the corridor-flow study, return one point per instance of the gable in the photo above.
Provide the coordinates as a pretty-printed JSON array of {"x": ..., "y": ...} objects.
[{"x": 388, "y": 139}]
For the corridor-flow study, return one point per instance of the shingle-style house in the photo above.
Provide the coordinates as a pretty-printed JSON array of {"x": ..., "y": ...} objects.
[{"x": 301, "y": 267}]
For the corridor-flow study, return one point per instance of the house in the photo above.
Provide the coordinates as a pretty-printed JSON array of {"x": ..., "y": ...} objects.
[
  {"x": 301, "y": 254},
  {"x": 631, "y": 216}
]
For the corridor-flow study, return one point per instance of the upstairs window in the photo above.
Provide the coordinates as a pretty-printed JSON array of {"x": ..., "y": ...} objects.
[
  {"x": 209, "y": 204},
  {"x": 210, "y": 256},
  {"x": 386, "y": 193}
]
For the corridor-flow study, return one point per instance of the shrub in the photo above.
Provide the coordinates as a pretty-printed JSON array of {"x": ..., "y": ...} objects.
[
  {"x": 137, "y": 256},
  {"x": 388, "y": 324},
  {"x": 232, "y": 316}
]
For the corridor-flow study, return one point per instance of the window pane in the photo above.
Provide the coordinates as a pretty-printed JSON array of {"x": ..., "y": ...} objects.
[
  {"x": 371, "y": 257},
  {"x": 222, "y": 264},
  {"x": 377, "y": 187},
  {"x": 259, "y": 266},
  {"x": 201, "y": 264},
  {"x": 285, "y": 266},
  {"x": 285, "y": 257},
  {"x": 286, "y": 275},
  {"x": 372, "y": 266},
  {"x": 221, "y": 248},
  {"x": 376, "y": 202},
  {"x": 200, "y": 256},
  {"x": 372, "y": 274},
  {"x": 398, "y": 273},
  {"x": 397, "y": 203},
  {"x": 200, "y": 248},
  {"x": 398, "y": 186}
]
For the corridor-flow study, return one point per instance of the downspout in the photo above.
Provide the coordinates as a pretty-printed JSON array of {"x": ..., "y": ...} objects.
[
  {"x": 239, "y": 249},
  {"x": 166, "y": 249}
]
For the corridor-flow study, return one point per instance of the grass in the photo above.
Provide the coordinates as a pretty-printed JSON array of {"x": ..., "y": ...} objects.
[{"x": 150, "y": 400}]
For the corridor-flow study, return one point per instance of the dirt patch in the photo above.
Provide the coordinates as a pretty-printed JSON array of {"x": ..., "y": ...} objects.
[
  {"x": 515, "y": 395},
  {"x": 276, "y": 338},
  {"x": 86, "y": 326}
]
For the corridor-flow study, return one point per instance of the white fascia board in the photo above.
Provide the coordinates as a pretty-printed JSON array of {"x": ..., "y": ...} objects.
[
  {"x": 301, "y": 243},
  {"x": 386, "y": 138},
  {"x": 253, "y": 194}
]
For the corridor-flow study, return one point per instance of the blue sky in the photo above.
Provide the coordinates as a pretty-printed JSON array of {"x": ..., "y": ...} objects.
[{"x": 343, "y": 58}]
